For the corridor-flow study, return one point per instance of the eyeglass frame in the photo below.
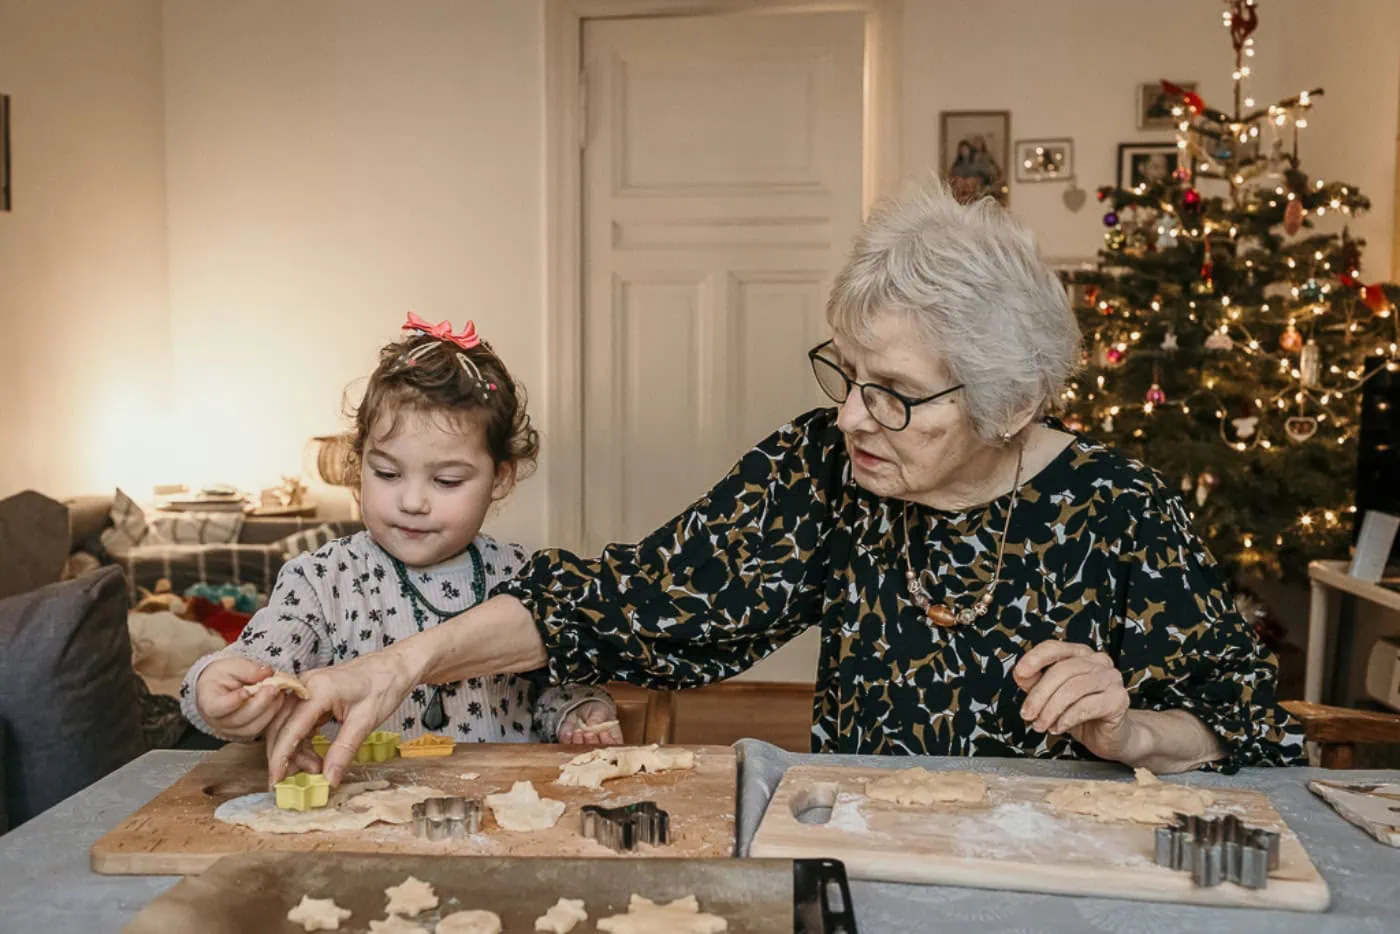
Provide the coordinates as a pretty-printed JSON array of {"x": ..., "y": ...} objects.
[{"x": 814, "y": 355}]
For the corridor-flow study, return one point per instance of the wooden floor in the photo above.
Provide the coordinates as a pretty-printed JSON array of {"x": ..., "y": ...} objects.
[{"x": 720, "y": 714}]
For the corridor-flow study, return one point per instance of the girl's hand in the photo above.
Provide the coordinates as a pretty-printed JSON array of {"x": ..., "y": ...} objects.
[
  {"x": 591, "y": 723},
  {"x": 224, "y": 705}
]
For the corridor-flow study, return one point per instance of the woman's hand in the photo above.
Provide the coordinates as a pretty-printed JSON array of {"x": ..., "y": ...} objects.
[
  {"x": 227, "y": 708},
  {"x": 1070, "y": 688},
  {"x": 360, "y": 694},
  {"x": 581, "y": 725}
]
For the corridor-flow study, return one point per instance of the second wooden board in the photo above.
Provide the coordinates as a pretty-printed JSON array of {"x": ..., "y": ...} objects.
[{"x": 1011, "y": 840}]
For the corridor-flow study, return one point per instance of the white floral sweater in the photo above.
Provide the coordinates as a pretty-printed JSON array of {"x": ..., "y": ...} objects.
[{"x": 352, "y": 598}]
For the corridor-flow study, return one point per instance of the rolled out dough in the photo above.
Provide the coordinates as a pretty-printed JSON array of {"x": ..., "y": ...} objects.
[
  {"x": 1148, "y": 800},
  {"x": 470, "y": 922},
  {"x": 410, "y": 897},
  {"x": 351, "y": 807},
  {"x": 561, "y": 919},
  {"x": 523, "y": 809},
  {"x": 593, "y": 768},
  {"x": 318, "y": 914},
  {"x": 682, "y": 916},
  {"x": 920, "y": 786},
  {"x": 283, "y": 682}
]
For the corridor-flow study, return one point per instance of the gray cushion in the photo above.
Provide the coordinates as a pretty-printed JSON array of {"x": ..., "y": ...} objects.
[
  {"x": 68, "y": 694},
  {"x": 33, "y": 540}
]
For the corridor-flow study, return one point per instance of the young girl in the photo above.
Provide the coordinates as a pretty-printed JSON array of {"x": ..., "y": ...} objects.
[{"x": 440, "y": 436}]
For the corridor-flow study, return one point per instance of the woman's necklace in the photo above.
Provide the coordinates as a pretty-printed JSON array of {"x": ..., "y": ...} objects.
[
  {"x": 434, "y": 716},
  {"x": 920, "y": 592}
]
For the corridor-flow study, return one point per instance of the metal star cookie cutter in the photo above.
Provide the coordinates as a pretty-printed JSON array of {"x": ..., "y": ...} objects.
[
  {"x": 1218, "y": 849},
  {"x": 622, "y": 828},
  {"x": 446, "y": 818}
]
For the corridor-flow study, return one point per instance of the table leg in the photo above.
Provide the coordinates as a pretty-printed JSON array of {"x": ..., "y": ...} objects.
[{"x": 1317, "y": 645}]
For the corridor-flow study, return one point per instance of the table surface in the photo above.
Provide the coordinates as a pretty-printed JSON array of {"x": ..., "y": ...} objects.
[{"x": 46, "y": 885}]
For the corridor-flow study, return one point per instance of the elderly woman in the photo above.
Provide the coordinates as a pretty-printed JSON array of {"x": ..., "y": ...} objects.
[{"x": 985, "y": 582}]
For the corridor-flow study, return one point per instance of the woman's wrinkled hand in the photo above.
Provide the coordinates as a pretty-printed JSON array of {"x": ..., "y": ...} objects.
[
  {"x": 360, "y": 695},
  {"x": 1071, "y": 688}
]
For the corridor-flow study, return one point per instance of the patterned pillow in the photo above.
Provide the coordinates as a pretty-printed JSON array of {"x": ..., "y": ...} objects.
[
  {"x": 186, "y": 565},
  {"x": 308, "y": 540},
  {"x": 129, "y": 527},
  {"x": 132, "y": 529}
]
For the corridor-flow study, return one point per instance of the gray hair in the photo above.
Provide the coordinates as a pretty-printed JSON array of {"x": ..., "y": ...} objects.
[{"x": 970, "y": 276}]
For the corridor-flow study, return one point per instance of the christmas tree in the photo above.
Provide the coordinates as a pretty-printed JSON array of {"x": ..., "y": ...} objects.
[{"x": 1227, "y": 338}]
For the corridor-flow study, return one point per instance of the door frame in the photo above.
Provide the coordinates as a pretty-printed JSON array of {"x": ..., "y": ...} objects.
[{"x": 564, "y": 138}]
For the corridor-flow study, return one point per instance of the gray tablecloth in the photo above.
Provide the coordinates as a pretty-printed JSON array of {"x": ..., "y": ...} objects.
[
  {"x": 1364, "y": 876},
  {"x": 46, "y": 885}
]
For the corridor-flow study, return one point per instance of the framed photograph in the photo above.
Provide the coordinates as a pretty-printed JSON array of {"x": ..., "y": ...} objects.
[
  {"x": 1154, "y": 106},
  {"x": 975, "y": 153},
  {"x": 1146, "y": 163},
  {"x": 5, "y": 152},
  {"x": 1044, "y": 160}
]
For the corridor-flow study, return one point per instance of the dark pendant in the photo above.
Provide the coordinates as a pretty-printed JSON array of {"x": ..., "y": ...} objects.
[
  {"x": 435, "y": 718},
  {"x": 940, "y": 615}
]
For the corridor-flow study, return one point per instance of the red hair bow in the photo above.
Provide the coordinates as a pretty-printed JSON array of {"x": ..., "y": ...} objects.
[{"x": 443, "y": 331}]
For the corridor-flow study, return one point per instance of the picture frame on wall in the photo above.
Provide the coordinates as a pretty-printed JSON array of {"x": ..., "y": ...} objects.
[
  {"x": 1146, "y": 163},
  {"x": 975, "y": 153},
  {"x": 1044, "y": 160},
  {"x": 5, "y": 199},
  {"x": 1154, "y": 106}
]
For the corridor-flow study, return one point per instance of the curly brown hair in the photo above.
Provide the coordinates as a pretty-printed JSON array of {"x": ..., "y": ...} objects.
[{"x": 414, "y": 376}]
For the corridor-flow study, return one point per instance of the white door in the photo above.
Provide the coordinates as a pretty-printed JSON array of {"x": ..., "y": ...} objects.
[{"x": 722, "y": 176}]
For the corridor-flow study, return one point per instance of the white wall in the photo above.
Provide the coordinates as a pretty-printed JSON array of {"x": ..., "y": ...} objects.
[
  {"x": 1069, "y": 68},
  {"x": 84, "y": 317},
  {"x": 334, "y": 164}
]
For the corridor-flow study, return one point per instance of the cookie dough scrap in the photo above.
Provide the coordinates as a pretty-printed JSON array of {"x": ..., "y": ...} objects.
[
  {"x": 283, "y": 682},
  {"x": 561, "y": 919},
  {"x": 682, "y": 916},
  {"x": 410, "y": 897},
  {"x": 522, "y": 808},
  {"x": 318, "y": 914},
  {"x": 396, "y": 924},
  {"x": 470, "y": 922},
  {"x": 591, "y": 769},
  {"x": 920, "y": 786},
  {"x": 351, "y": 807},
  {"x": 1148, "y": 800}
]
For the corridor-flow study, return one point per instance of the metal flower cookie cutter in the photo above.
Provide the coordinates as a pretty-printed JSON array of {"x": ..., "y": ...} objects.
[
  {"x": 444, "y": 818},
  {"x": 1218, "y": 849},
  {"x": 622, "y": 828}
]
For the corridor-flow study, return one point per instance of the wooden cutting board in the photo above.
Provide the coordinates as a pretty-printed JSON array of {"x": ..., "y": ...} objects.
[
  {"x": 176, "y": 833},
  {"x": 1375, "y": 808},
  {"x": 1012, "y": 840},
  {"x": 252, "y": 894}
]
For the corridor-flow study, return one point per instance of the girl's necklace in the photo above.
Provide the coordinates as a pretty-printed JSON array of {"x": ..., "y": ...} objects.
[
  {"x": 434, "y": 716},
  {"x": 921, "y": 585}
]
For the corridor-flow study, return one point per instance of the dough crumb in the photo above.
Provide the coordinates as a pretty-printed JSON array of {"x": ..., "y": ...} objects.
[
  {"x": 561, "y": 919},
  {"x": 470, "y": 922}
]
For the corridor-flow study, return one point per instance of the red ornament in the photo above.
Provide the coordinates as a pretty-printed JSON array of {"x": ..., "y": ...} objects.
[
  {"x": 1182, "y": 173},
  {"x": 1091, "y": 294},
  {"x": 1191, "y": 198},
  {"x": 1346, "y": 280},
  {"x": 1114, "y": 355},
  {"x": 1155, "y": 395},
  {"x": 1207, "y": 270},
  {"x": 1102, "y": 194},
  {"x": 1293, "y": 217},
  {"x": 1374, "y": 297}
]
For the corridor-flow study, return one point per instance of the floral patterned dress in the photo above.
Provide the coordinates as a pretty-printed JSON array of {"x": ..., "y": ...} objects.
[{"x": 1099, "y": 552}]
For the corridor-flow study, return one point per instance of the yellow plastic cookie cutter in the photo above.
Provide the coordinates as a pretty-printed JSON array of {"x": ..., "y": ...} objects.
[
  {"x": 429, "y": 744},
  {"x": 302, "y": 792},
  {"x": 378, "y": 746}
]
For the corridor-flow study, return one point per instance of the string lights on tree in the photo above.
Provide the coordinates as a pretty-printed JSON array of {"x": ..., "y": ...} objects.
[{"x": 1228, "y": 334}]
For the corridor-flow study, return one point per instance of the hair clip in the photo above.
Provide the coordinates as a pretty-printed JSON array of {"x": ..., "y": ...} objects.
[
  {"x": 443, "y": 331},
  {"x": 473, "y": 371}
]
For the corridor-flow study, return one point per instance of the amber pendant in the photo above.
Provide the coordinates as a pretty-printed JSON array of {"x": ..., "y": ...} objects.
[{"x": 940, "y": 615}]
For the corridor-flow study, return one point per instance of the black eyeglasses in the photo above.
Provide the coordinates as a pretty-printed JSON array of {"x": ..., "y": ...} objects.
[{"x": 886, "y": 406}]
